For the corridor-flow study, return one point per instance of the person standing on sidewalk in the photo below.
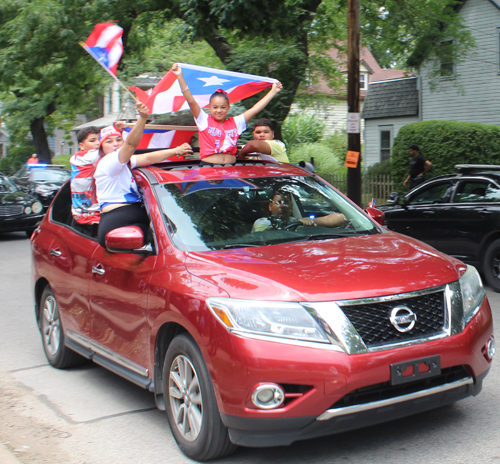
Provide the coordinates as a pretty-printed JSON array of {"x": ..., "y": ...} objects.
[{"x": 419, "y": 166}]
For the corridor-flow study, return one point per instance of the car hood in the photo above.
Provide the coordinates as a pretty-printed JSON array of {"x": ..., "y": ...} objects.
[
  {"x": 338, "y": 269},
  {"x": 13, "y": 198}
]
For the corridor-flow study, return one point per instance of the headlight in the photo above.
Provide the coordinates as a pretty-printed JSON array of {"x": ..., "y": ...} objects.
[
  {"x": 270, "y": 318},
  {"x": 37, "y": 207},
  {"x": 472, "y": 293}
]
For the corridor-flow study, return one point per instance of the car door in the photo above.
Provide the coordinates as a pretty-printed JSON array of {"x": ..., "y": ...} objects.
[
  {"x": 420, "y": 215},
  {"x": 119, "y": 289},
  {"x": 70, "y": 253},
  {"x": 473, "y": 214}
]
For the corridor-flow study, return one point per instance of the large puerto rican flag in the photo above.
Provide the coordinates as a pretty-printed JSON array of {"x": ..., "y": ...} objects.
[
  {"x": 105, "y": 45},
  {"x": 203, "y": 82},
  {"x": 161, "y": 138}
]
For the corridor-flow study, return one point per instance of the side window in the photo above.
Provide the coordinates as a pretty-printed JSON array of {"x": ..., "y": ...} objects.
[
  {"x": 433, "y": 194},
  {"x": 471, "y": 192},
  {"x": 61, "y": 213}
]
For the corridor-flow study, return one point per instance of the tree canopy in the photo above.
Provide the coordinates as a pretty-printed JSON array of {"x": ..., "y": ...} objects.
[{"x": 46, "y": 78}]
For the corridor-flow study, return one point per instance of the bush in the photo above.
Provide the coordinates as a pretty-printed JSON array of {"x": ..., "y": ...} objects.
[
  {"x": 382, "y": 168},
  {"x": 62, "y": 160},
  {"x": 301, "y": 128},
  {"x": 444, "y": 144}
]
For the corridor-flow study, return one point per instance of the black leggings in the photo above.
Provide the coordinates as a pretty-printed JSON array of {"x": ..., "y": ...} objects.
[{"x": 133, "y": 214}]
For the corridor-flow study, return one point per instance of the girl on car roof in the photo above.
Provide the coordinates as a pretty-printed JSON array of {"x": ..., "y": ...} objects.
[
  {"x": 218, "y": 135},
  {"x": 119, "y": 199}
]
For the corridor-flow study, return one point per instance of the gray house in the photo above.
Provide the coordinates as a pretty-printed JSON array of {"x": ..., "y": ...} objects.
[{"x": 467, "y": 91}]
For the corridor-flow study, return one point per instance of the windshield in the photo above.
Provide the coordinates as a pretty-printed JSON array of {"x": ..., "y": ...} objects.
[
  {"x": 49, "y": 175},
  {"x": 6, "y": 186},
  {"x": 233, "y": 213}
]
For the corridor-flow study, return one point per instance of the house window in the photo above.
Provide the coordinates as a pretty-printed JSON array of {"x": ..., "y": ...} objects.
[
  {"x": 446, "y": 69},
  {"x": 385, "y": 144},
  {"x": 363, "y": 84}
]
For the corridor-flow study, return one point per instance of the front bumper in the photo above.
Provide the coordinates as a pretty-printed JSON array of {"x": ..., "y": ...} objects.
[
  {"x": 278, "y": 432},
  {"x": 24, "y": 222}
]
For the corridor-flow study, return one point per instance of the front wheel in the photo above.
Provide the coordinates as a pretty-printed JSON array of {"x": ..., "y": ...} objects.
[
  {"x": 190, "y": 403},
  {"x": 58, "y": 355},
  {"x": 491, "y": 265}
]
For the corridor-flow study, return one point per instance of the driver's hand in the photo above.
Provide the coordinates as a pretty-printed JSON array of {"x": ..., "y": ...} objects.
[{"x": 307, "y": 222}]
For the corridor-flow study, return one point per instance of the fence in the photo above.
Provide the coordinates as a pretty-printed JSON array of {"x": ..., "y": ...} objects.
[{"x": 376, "y": 187}]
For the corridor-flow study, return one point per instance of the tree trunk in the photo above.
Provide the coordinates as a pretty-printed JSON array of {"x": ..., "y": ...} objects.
[{"x": 40, "y": 139}]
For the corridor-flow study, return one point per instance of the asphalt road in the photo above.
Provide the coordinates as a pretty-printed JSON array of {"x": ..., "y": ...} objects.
[{"x": 88, "y": 415}]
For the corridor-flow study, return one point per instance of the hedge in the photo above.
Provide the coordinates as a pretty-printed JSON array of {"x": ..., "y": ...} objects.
[{"x": 444, "y": 144}]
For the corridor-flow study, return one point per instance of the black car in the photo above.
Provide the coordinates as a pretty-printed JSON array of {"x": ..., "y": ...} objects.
[
  {"x": 18, "y": 210},
  {"x": 458, "y": 214},
  {"x": 42, "y": 181}
]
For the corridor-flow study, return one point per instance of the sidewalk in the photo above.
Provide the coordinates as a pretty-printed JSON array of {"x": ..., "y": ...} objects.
[{"x": 6, "y": 457}]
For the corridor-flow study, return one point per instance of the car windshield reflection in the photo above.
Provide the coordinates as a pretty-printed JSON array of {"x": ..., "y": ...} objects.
[
  {"x": 6, "y": 186},
  {"x": 233, "y": 213}
]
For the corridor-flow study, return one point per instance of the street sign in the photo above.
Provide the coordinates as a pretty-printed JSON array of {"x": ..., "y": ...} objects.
[{"x": 353, "y": 123}]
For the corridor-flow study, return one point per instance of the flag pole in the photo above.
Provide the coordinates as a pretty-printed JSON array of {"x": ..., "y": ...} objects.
[{"x": 87, "y": 49}]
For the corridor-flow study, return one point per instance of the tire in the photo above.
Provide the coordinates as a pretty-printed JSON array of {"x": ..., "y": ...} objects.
[
  {"x": 190, "y": 403},
  {"x": 58, "y": 355},
  {"x": 491, "y": 265}
]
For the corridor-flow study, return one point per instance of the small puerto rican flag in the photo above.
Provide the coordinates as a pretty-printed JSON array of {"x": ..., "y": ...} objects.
[{"x": 372, "y": 203}]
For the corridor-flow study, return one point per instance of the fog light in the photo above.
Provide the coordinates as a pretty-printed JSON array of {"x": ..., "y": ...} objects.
[
  {"x": 27, "y": 210},
  {"x": 268, "y": 396},
  {"x": 489, "y": 351}
]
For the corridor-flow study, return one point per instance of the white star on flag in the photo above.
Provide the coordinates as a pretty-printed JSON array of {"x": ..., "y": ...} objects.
[{"x": 213, "y": 80}]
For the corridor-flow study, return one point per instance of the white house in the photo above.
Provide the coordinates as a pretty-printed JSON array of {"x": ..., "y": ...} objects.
[{"x": 467, "y": 91}]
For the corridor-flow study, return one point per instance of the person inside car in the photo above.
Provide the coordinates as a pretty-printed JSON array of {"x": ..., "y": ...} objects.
[
  {"x": 280, "y": 208},
  {"x": 218, "y": 135},
  {"x": 119, "y": 199}
]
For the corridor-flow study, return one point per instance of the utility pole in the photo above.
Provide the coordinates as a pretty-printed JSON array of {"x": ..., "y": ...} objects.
[{"x": 353, "y": 138}]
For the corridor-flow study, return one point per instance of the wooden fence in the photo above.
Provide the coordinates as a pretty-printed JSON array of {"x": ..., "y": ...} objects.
[{"x": 377, "y": 187}]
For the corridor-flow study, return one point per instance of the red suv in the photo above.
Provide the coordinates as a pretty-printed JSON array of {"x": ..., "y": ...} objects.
[{"x": 251, "y": 321}]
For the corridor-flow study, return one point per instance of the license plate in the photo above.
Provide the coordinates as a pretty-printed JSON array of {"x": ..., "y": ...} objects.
[{"x": 416, "y": 369}]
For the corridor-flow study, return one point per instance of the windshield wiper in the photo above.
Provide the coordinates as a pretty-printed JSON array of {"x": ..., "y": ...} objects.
[
  {"x": 241, "y": 245},
  {"x": 326, "y": 236}
]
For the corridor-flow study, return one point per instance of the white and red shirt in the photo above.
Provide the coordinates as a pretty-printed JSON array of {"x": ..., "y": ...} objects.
[
  {"x": 219, "y": 138},
  {"x": 115, "y": 182}
]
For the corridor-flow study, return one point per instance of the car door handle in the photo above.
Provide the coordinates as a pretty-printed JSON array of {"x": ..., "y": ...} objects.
[
  {"x": 98, "y": 270},
  {"x": 484, "y": 212},
  {"x": 55, "y": 252},
  {"x": 428, "y": 213}
]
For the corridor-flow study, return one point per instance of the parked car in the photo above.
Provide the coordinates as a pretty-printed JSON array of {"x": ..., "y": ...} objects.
[
  {"x": 18, "y": 210},
  {"x": 260, "y": 338},
  {"x": 41, "y": 180},
  {"x": 458, "y": 214}
]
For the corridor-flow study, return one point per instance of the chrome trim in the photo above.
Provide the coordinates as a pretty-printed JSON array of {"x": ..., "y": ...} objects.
[
  {"x": 106, "y": 353},
  {"x": 98, "y": 270},
  {"x": 397, "y": 296},
  {"x": 338, "y": 327},
  {"x": 337, "y": 412}
]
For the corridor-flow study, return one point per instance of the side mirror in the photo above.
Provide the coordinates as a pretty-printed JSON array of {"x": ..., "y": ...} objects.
[
  {"x": 125, "y": 240},
  {"x": 377, "y": 215},
  {"x": 393, "y": 198}
]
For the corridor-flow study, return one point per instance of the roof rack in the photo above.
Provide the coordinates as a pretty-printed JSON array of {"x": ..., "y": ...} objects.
[{"x": 477, "y": 167}]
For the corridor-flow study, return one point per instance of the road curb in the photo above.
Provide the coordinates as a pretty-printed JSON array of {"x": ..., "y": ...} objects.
[{"x": 6, "y": 456}]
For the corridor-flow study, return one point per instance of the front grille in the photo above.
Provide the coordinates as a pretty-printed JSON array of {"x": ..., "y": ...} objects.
[
  {"x": 11, "y": 210},
  {"x": 372, "y": 320},
  {"x": 385, "y": 391}
]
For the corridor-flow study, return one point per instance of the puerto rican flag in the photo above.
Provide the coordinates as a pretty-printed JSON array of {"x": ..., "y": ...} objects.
[
  {"x": 105, "y": 45},
  {"x": 161, "y": 138},
  {"x": 203, "y": 82},
  {"x": 372, "y": 203}
]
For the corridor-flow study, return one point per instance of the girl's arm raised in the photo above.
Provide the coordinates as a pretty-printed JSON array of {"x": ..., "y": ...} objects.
[
  {"x": 195, "y": 108},
  {"x": 262, "y": 103},
  {"x": 135, "y": 136}
]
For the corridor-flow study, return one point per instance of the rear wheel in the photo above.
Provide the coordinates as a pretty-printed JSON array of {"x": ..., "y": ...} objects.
[
  {"x": 491, "y": 265},
  {"x": 190, "y": 403},
  {"x": 57, "y": 353}
]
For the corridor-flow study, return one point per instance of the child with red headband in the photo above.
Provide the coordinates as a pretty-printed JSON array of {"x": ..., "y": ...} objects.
[{"x": 218, "y": 135}]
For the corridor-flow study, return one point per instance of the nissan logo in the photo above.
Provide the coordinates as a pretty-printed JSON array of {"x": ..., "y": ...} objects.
[{"x": 403, "y": 318}]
